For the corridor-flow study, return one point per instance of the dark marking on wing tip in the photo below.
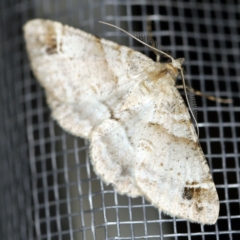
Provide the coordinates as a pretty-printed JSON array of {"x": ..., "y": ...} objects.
[
  {"x": 51, "y": 46},
  {"x": 192, "y": 192},
  {"x": 187, "y": 193},
  {"x": 197, "y": 194},
  {"x": 50, "y": 40}
]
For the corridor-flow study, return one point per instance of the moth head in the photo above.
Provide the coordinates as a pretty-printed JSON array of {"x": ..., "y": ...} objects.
[{"x": 177, "y": 63}]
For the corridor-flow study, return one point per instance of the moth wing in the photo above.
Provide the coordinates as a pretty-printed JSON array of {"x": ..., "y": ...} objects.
[
  {"x": 80, "y": 73},
  {"x": 171, "y": 170},
  {"x": 152, "y": 150}
]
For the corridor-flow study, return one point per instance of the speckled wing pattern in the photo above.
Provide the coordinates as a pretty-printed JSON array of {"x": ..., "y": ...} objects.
[{"x": 141, "y": 135}]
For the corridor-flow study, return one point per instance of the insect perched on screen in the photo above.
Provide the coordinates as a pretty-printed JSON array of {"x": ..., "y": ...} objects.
[{"x": 142, "y": 139}]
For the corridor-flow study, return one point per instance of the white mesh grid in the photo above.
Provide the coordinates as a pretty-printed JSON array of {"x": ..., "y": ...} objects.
[{"x": 48, "y": 187}]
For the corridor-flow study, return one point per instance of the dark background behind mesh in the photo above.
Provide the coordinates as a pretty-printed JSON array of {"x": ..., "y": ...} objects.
[{"x": 48, "y": 189}]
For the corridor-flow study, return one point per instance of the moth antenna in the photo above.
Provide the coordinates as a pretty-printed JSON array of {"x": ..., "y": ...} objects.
[
  {"x": 190, "y": 109},
  {"x": 129, "y": 34}
]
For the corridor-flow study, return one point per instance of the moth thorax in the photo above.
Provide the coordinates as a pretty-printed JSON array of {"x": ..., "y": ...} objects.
[
  {"x": 168, "y": 79},
  {"x": 172, "y": 71}
]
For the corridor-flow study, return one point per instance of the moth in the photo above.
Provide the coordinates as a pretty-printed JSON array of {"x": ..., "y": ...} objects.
[{"x": 141, "y": 136}]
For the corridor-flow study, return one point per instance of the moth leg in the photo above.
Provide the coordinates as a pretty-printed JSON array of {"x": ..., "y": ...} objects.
[
  {"x": 150, "y": 36},
  {"x": 209, "y": 97}
]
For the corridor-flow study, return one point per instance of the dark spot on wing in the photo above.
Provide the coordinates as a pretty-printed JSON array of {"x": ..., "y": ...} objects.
[
  {"x": 51, "y": 46},
  {"x": 198, "y": 207},
  {"x": 51, "y": 40},
  {"x": 112, "y": 115},
  {"x": 124, "y": 171},
  {"x": 192, "y": 192},
  {"x": 188, "y": 193}
]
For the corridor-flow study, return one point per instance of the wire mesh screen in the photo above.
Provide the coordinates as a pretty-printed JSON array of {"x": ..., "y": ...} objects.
[{"x": 48, "y": 187}]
